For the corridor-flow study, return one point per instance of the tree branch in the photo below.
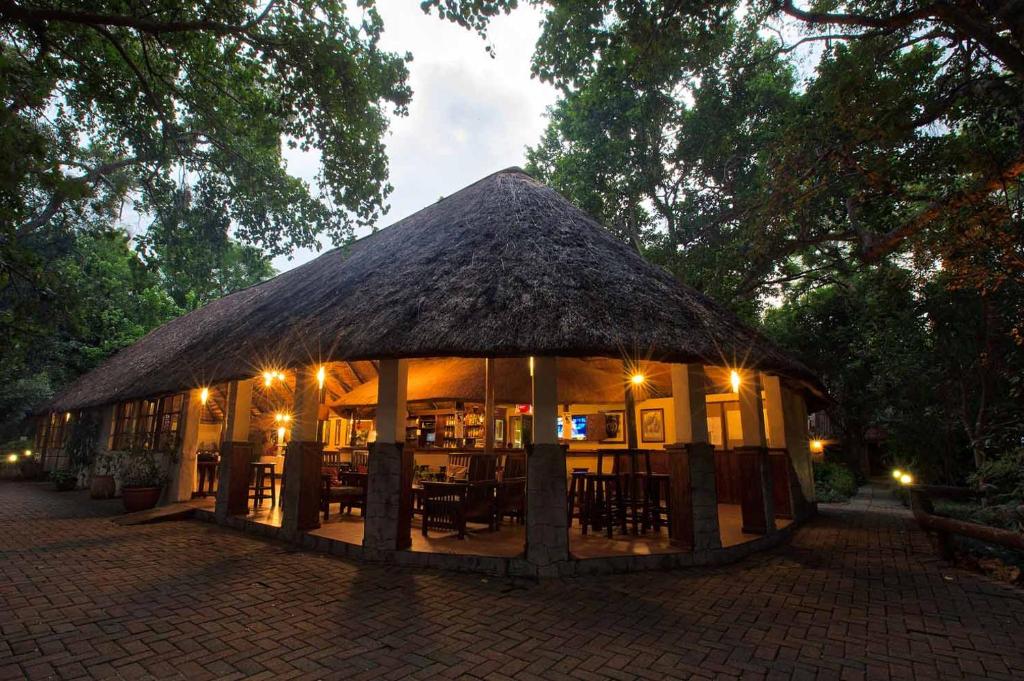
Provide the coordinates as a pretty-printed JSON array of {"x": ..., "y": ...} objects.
[
  {"x": 14, "y": 12},
  {"x": 874, "y": 247}
]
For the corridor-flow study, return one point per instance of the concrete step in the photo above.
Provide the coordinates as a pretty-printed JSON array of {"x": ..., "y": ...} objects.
[{"x": 182, "y": 511}]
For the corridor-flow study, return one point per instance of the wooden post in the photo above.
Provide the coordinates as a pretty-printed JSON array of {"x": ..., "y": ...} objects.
[
  {"x": 489, "y": 405},
  {"x": 756, "y": 501},
  {"x": 547, "y": 523},
  {"x": 630, "y": 412},
  {"x": 388, "y": 525},
  {"x": 300, "y": 496},
  {"x": 235, "y": 453}
]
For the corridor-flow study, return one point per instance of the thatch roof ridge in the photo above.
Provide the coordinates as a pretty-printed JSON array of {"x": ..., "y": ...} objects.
[{"x": 503, "y": 267}]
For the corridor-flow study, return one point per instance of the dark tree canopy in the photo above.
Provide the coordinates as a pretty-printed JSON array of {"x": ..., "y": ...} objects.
[{"x": 113, "y": 100}]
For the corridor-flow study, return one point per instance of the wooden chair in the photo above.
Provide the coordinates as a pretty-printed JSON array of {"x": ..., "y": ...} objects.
[
  {"x": 360, "y": 460},
  {"x": 347, "y": 489},
  {"x": 512, "y": 489},
  {"x": 450, "y": 505}
]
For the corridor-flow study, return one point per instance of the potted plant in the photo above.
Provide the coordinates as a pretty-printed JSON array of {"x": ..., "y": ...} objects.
[
  {"x": 82, "y": 448},
  {"x": 142, "y": 480},
  {"x": 102, "y": 485},
  {"x": 64, "y": 479}
]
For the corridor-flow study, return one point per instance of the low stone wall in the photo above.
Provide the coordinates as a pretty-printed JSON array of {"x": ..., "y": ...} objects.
[{"x": 517, "y": 566}]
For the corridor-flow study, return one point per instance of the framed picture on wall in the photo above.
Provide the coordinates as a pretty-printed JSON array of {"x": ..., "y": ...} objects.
[
  {"x": 652, "y": 425},
  {"x": 614, "y": 427}
]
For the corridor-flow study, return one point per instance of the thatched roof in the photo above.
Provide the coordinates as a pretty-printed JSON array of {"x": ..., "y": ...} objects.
[
  {"x": 505, "y": 267},
  {"x": 595, "y": 380}
]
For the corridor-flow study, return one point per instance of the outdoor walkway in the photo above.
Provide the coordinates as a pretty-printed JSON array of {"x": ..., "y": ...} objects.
[{"x": 858, "y": 594}]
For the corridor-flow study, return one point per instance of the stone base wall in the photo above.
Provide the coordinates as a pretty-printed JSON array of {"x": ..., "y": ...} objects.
[
  {"x": 547, "y": 521},
  {"x": 389, "y": 474},
  {"x": 300, "y": 497},
  {"x": 704, "y": 496}
]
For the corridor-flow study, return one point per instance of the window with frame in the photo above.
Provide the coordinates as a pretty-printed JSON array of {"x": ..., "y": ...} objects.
[
  {"x": 166, "y": 421},
  {"x": 123, "y": 427},
  {"x": 58, "y": 430}
]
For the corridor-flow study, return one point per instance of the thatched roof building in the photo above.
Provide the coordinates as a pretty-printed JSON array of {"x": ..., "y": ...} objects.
[{"x": 505, "y": 267}]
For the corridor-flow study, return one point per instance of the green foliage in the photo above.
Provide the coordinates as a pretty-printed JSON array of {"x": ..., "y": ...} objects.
[
  {"x": 833, "y": 482},
  {"x": 1005, "y": 474},
  {"x": 142, "y": 469},
  {"x": 64, "y": 479},
  {"x": 181, "y": 112},
  {"x": 108, "y": 101}
]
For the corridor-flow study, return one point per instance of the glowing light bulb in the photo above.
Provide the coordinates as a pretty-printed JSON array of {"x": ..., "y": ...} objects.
[
  {"x": 280, "y": 435},
  {"x": 734, "y": 380},
  {"x": 204, "y": 395},
  {"x": 12, "y": 458},
  {"x": 28, "y": 452},
  {"x": 321, "y": 376},
  {"x": 907, "y": 479},
  {"x": 817, "y": 445},
  {"x": 897, "y": 474},
  {"x": 287, "y": 418},
  {"x": 637, "y": 379},
  {"x": 268, "y": 378}
]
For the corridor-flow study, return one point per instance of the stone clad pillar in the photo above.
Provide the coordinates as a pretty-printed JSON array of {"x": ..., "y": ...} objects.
[
  {"x": 390, "y": 467},
  {"x": 756, "y": 501},
  {"x": 547, "y": 523},
  {"x": 300, "y": 494},
  {"x": 693, "y": 497},
  {"x": 235, "y": 453},
  {"x": 183, "y": 471}
]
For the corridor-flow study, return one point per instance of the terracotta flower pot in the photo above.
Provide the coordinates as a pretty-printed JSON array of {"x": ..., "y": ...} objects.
[
  {"x": 139, "y": 498},
  {"x": 102, "y": 487}
]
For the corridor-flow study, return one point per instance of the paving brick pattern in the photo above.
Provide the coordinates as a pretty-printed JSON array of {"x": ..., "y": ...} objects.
[{"x": 857, "y": 594}]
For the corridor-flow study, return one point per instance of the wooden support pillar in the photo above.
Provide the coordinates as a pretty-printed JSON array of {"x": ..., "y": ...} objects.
[
  {"x": 547, "y": 523},
  {"x": 693, "y": 498},
  {"x": 300, "y": 494},
  {"x": 756, "y": 500},
  {"x": 630, "y": 412},
  {"x": 489, "y": 405},
  {"x": 235, "y": 453},
  {"x": 388, "y": 525},
  {"x": 183, "y": 471}
]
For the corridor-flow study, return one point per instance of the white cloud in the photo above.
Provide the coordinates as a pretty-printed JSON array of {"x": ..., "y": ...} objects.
[{"x": 470, "y": 115}]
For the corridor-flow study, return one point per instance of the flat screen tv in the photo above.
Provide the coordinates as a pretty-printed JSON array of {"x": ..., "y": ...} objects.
[{"x": 579, "y": 427}]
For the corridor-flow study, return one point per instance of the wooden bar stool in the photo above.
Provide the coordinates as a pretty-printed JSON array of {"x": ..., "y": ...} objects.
[
  {"x": 263, "y": 483},
  {"x": 576, "y": 489},
  {"x": 602, "y": 501},
  {"x": 656, "y": 494}
]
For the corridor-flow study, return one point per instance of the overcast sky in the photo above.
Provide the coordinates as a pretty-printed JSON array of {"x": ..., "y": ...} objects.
[{"x": 470, "y": 115}]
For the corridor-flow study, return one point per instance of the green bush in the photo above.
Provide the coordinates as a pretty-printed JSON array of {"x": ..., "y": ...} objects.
[
  {"x": 1006, "y": 474},
  {"x": 833, "y": 481}
]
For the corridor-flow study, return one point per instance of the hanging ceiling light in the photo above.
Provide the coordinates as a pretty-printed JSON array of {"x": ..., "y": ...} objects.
[{"x": 734, "y": 380}]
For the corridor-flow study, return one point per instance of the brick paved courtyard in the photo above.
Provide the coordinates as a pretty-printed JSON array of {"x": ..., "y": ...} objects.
[{"x": 858, "y": 594}]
